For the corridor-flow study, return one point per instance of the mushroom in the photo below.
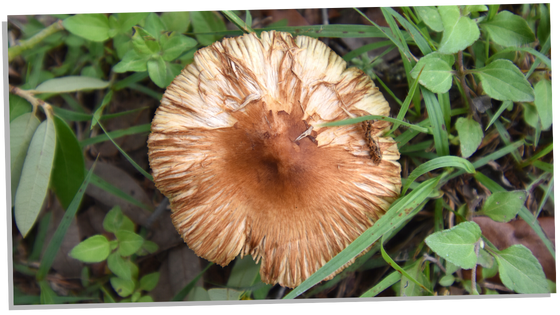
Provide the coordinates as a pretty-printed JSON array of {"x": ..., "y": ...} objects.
[{"x": 238, "y": 148}]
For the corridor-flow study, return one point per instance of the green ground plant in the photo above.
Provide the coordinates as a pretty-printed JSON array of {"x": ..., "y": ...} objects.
[{"x": 485, "y": 54}]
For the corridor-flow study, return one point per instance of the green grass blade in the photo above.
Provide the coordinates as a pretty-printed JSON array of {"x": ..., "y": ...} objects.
[
  {"x": 505, "y": 104},
  {"x": 406, "y": 104},
  {"x": 409, "y": 134},
  {"x": 116, "y": 134},
  {"x": 440, "y": 162},
  {"x": 126, "y": 82},
  {"x": 417, "y": 37},
  {"x": 498, "y": 154},
  {"x": 399, "y": 212},
  {"x": 437, "y": 121},
  {"x": 146, "y": 90},
  {"x": 187, "y": 289},
  {"x": 136, "y": 166},
  {"x": 398, "y": 268},
  {"x": 238, "y": 21},
  {"x": 445, "y": 105},
  {"x": 58, "y": 236},
  {"x": 545, "y": 197},
  {"x": 543, "y": 166},
  {"x": 356, "y": 120},
  {"x": 356, "y": 52},
  {"x": 35, "y": 176},
  {"x": 388, "y": 281},
  {"x": 70, "y": 115},
  {"x": 113, "y": 190}
]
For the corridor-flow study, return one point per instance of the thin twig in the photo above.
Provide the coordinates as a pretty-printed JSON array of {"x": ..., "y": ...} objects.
[
  {"x": 473, "y": 271},
  {"x": 435, "y": 261},
  {"x": 35, "y": 102},
  {"x": 24, "y": 45}
]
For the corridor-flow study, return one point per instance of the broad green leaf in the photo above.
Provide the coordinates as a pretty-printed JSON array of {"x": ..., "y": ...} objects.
[
  {"x": 447, "y": 280},
  {"x": 92, "y": 250},
  {"x": 459, "y": 32},
  {"x": 244, "y": 273},
  {"x": 199, "y": 294},
  {"x": 457, "y": 244},
  {"x": 470, "y": 135},
  {"x": 18, "y": 106},
  {"x": 160, "y": 72},
  {"x": 543, "y": 30},
  {"x": 113, "y": 220},
  {"x": 71, "y": 84},
  {"x": 128, "y": 20},
  {"x": 68, "y": 169},
  {"x": 119, "y": 266},
  {"x": 435, "y": 115},
  {"x": 492, "y": 270},
  {"x": 144, "y": 43},
  {"x": 48, "y": 296},
  {"x": 508, "y": 29},
  {"x": 431, "y": 17},
  {"x": 132, "y": 61},
  {"x": 123, "y": 44},
  {"x": 149, "y": 281},
  {"x": 94, "y": 27},
  {"x": 224, "y": 294},
  {"x": 530, "y": 115},
  {"x": 520, "y": 270},
  {"x": 21, "y": 131},
  {"x": 504, "y": 206},
  {"x": 174, "y": 45},
  {"x": 205, "y": 22},
  {"x": 543, "y": 102},
  {"x": 484, "y": 259},
  {"x": 154, "y": 26},
  {"x": 35, "y": 176},
  {"x": 437, "y": 74},
  {"x": 502, "y": 80},
  {"x": 175, "y": 21},
  {"x": 129, "y": 242},
  {"x": 123, "y": 287}
]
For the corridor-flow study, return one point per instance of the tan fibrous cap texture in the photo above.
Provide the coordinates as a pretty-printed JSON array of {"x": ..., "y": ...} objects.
[{"x": 223, "y": 150}]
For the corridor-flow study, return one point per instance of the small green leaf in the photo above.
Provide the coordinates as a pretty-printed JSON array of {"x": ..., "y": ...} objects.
[
  {"x": 430, "y": 16},
  {"x": 119, "y": 266},
  {"x": 68, "y": 170},
  {"x": 123, "y": 287},
  {"x": 21, "y": 131},
  {"x": 457, "y": 244},
  {"x": 174, "y": 45},
  {"x": 543, "y": 30},
  {"x": 71, "y": 84},
  {"x": 154, "y": 26},
  {"x": 530, "y": 115},
  {"x": 484, "y": 259},
  {"x": 149, "y": 281},
  {"x": 543, "y": 102},
  {"x": 18, "y": 106},
  {"x": 520, "y": 270},
  {"x": 437, "y": 74},
  {"x": 132, "y": 61},
  {"x": 148, "y": 247},
  {"x": 127, "y": 20},
  {"x": 470, "y": 135},
  {"x": 144, "y": 43},
  {"x": 492, "y": 270},
  {"x": 129, "y": 242},
  {"x": 459, "y": 31},
  {"x": 206, "y": 22},
  {"x": 35, "y": 176},
  {"x": 92, "y": 250},
  {"x": 113, "y": 220},
  {"x": 94, "y": 27},
  {"x": 447, "y": 280},
  {"x": 503, "y": 206},
  {"x": 502, "y": 80},
  {"x": 244, "y": 273},
  {"x": 160, "y": 72},
  {"x": 508, "y": 29},
  {"x": 176, "y": 21}
]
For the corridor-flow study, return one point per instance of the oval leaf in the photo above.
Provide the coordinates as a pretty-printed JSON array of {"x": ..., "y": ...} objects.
[
  {"x": 470, "y": 135},
  {"x": 520, "y": 270},
  {"x": 206, "y": 22},
  {"x": 459, "y": 32},
  {"x": 502, "y": 80},
  {"x": 457, "y": 244},
  {"x": 431, "y": 17},
  {"x": 71, "y": 84},
  {"x": 129, "y": 242},
  {"x": 113, "y": 220},
  {"x": 543, "y": 102},
  {"x": 94, "y": 27},
  {"x": 503, "y": 206},
  {"x": 508, "y": 29},
  {"x": 123, "y": 287},
  {"x": 92, "y": 250},
  {"x": 68, "y": 169},
  {"x": 35, "y": 176},
  {"x": 149, "y": 281},
  {"x": 21, "y": 132},
  {"x": 119, "y": 266},
  {"x": 437, "y": 74}
]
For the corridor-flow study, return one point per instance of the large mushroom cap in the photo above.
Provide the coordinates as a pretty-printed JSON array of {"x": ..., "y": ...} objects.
[{"x": 223, "y": 149}]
